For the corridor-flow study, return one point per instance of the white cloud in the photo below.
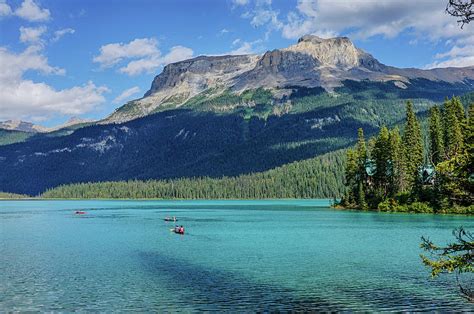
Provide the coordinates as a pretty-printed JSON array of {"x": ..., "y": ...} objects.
[
  {"x": 362, "y": 18},
  {"x": 423, "y": 20},
  {"x": 142, "y": 56},
  {"x": 240, "y": 2},
  {"x": 126, "y": 94},
  {"x": 151, "y": 64},
  {"x": 14, "y": 65},
  {"x": 32, "y": 35},
  {"x": 32, "y": 12},
  {"x": 60, "y": 33},
  {"x": 224, "y": 31},
  {"x": 458, "y": 56},
  {"x": 236, "y": 41},
  {"x": 462, "y": 61},
  {"x": 244, "y": 47},
  {"x": 33, "y": 100},
  {"x": 177, "y": 53},
  {"x": 25, "y": 99},
  {"x": 263, "y": 15},
  {"x": 5, "y": 9},
  {"x": 113, "y": 53}
]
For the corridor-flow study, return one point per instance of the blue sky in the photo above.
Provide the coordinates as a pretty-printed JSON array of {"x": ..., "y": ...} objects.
[{"x": 85, "y": 58}]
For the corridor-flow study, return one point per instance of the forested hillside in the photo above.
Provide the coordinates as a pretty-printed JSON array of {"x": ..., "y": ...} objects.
[
  {"x": 318, "y": 177},
  {"x": 9, "y": 137},
  {"x": 198, "y": 141}
]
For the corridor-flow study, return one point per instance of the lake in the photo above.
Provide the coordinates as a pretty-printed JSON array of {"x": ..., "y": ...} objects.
[{"x": 235, "y": 256}]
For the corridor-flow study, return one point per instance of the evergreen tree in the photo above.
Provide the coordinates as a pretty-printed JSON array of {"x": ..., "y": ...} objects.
[
  {"x": 459, "y": 110},
  {"x": 469, "y": 135},
  {"x": 453, "y": 138},
  {"x": 413, "y": 146},
  {"x": 397, "y": 178},
  {"x": 436, "y": 136},
  {"x": 381, "y": 156},
  {"x": 361, "y": 197},
  {"x": 361, "y": 163},
  {"x": 351, "y": 174}
]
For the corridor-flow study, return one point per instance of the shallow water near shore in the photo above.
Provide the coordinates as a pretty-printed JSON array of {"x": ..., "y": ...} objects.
[{"x": 235, "y": 256}]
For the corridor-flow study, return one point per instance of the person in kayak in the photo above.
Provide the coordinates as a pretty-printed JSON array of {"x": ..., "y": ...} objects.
[
  {"x": 176, "y": 229},
  {"x": 181, "y": 230}
]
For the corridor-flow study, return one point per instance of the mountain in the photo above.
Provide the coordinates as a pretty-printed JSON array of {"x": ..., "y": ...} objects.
[
  {"x": 71, "y": 122},
  {"x": 313, "y": 62},
  {"x": 232, "y": 115},
  {"x": 18, "y": 125},
  {"x": 15, "y": 131}
]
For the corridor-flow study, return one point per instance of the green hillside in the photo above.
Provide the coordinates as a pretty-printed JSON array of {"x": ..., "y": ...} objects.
[
  {"x": 320, "y": 177},
  {"x": 10, "y": 137}
]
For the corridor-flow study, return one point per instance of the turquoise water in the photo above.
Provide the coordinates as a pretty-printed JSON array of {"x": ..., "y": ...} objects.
[{"x": 236, "y": 256}]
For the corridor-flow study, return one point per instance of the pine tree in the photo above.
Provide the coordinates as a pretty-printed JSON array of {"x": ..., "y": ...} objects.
[
  {"x": 351, "y": 173},
  {"x": 436, "y": 136},
  {"x": 453, "y": 120},
  {"x": 361, "y": 196},
  {"x": 413, "y": 146},
  {"x": 469, "y": 135},
  {"x": 381, "y": 156},
  {"x": 361, "y": 150},
  {"x": 397, "y": 178}
]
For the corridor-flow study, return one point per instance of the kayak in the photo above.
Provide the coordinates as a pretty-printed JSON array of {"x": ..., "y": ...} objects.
[
  {"x": 170, "y": 219},
  {"x": 178, "y": 232},
  {"x": 80, "y": 212}
]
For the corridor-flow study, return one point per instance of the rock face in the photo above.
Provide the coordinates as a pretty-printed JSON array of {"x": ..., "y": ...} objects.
[
  {"x": 335, "y": 52},
  {"x": 182, "y": 80},
  {"x": 71, "y": 122},
  {"x": 17, "y": 125},
  {"x": 311, "y": 62},
  {"x": 201, "y": 72}
]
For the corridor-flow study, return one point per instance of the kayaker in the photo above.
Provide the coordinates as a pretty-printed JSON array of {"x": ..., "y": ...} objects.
[
  {"x": 176, "y": 229},
  {"x": 181, "y": 230}
]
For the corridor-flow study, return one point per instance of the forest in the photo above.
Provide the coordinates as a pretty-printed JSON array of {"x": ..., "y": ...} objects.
[
  {"x": 313, "y": 178},
  {"x": 397, "y": 171}
]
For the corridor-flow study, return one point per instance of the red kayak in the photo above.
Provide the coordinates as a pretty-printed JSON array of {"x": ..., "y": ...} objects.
[
  {"x": 178, "y": 230},
  {"x": 80, "y": 212}
]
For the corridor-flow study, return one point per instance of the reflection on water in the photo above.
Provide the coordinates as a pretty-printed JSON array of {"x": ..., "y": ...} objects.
[{"x": 236, "y": 256}]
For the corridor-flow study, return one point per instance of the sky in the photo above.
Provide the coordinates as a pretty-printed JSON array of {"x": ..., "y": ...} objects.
[{"x": 85, "y": 58}]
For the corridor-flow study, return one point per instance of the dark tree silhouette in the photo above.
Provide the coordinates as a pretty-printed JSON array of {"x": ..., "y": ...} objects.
[
  {"x": 462, "y": 9},
  {"x": 457, "y": 257}
]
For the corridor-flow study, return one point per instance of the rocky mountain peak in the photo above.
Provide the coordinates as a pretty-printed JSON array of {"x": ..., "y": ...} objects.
[
  {"x": 311, "y": 62},
  {"x": 18, "y": 125},
  {"x": 332, "y": 52}
]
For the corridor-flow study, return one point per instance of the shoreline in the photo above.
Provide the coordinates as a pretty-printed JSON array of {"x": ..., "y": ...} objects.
[
  {"x": 374, "y": 210},
  {"x": 330, "y": 203}
]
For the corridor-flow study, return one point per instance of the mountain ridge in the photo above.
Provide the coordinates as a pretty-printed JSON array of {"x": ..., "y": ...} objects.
[
  {"x": 311, "y": 62},
  {"x": 29, "y": 127}
]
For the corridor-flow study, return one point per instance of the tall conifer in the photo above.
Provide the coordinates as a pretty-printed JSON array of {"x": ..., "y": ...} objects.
[
  {"x": 397, "y": 178},
  {"x": 413, "y": 145},
  {"x": 436, "y": 136},
  {"x": 453, "y": 137},
  {"x": 381, "y": 156}
]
